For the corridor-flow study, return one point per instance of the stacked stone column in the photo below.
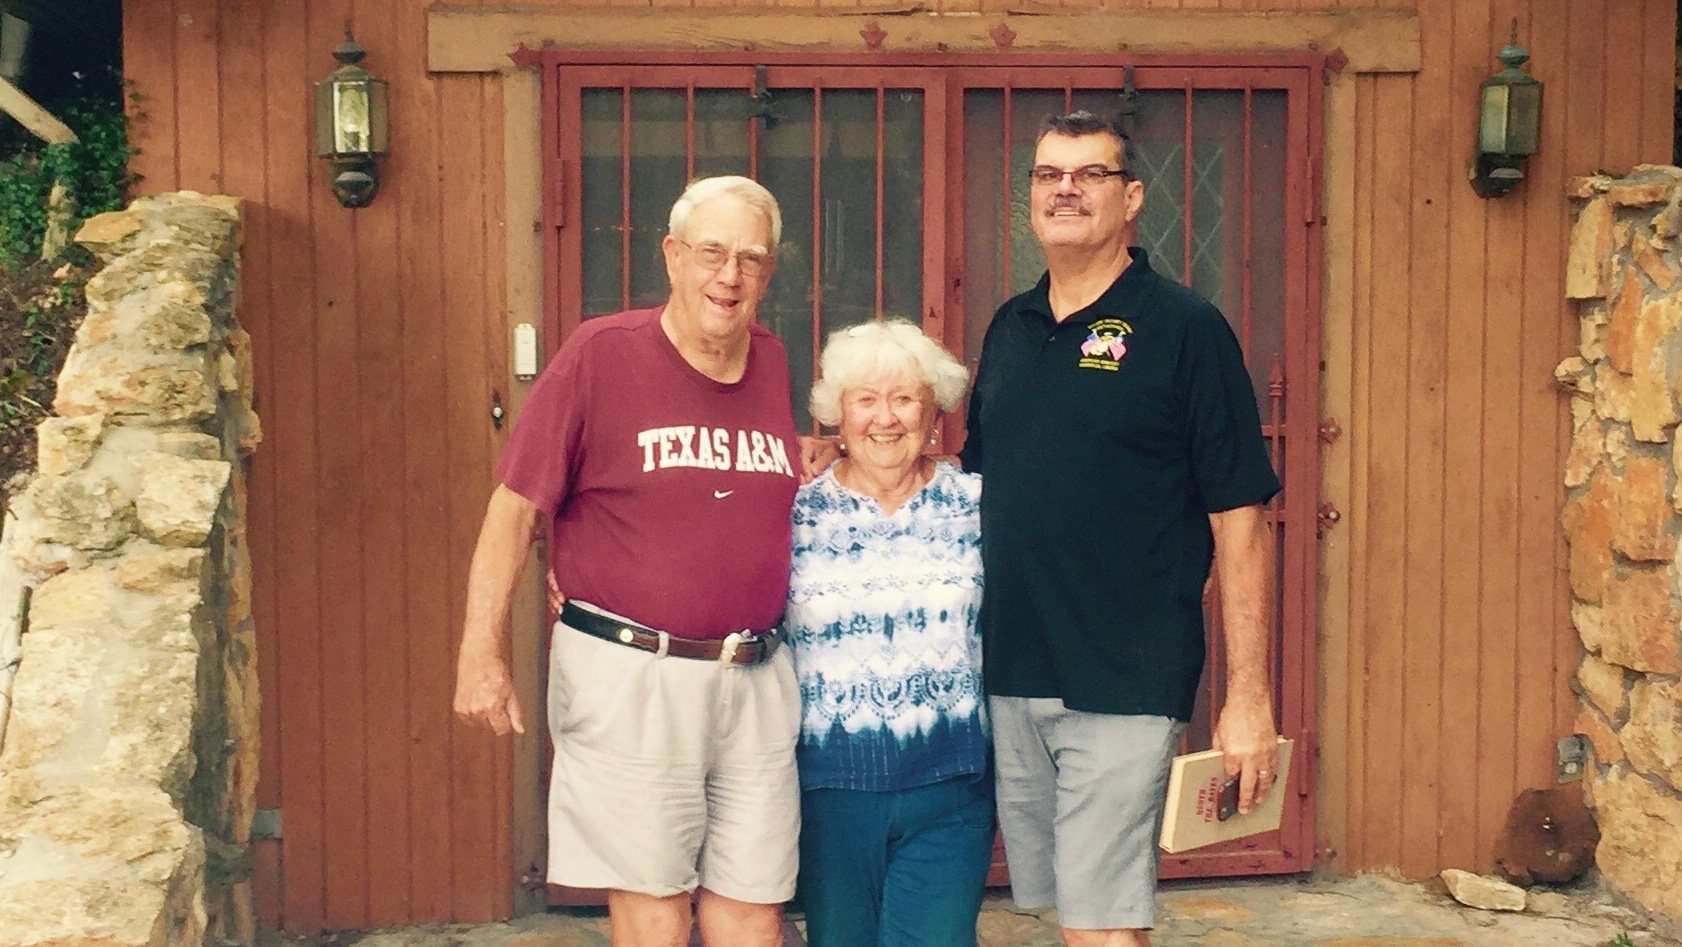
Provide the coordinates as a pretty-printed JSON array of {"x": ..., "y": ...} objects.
[
  {"x": 128, "y": 775},
  {"x": 1622, "y": 520}
]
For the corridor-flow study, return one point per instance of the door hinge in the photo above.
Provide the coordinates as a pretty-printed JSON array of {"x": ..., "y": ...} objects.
[
  {"x": 1127, "y": 110},
  {"x": 1328, "y": 516},
  {"x": 1309, "y": 766},
  {"x": 761, "y": 99},
  {"x": 1330, "y": 431},
  {"x": 497, "y": 414},
  {"x": 265, "y": 823},
  {"x": 554, "y": 204},
  {"x": 532, "y": 880},
  {"x": 1310, "y": 195}
]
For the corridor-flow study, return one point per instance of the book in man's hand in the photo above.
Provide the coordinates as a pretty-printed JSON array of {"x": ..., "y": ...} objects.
[{"x": 1196, "y": 784}]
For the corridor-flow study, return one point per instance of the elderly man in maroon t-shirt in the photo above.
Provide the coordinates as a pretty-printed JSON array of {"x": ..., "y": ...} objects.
[{"x": 661, "y": 444}]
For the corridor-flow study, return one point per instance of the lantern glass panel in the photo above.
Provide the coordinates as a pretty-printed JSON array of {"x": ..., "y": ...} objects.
[
  {"x": 1492, "y": 122},
  {"x": 324, "y": 119},
  {"x": 1524, "y": 113},
  {"x": 377, "y": 117},
  {"x": 350, "y": 118}
]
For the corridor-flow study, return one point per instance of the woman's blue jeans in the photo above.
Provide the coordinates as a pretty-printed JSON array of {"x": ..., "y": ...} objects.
[{"x": 896, "y": 869}]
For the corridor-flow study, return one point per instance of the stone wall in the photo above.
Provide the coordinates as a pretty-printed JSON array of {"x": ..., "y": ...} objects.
[
  {"x": 1622, "y": 520},
  {"x": 128, "y": 772}
]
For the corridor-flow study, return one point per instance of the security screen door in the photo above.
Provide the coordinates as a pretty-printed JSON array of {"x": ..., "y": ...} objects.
[
  {"x": 904, "y": 192},
  {"x": 846, "y": 151}
]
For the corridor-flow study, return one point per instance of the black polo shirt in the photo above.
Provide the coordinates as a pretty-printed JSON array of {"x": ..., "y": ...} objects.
[{"x": 1104, "y": 442}]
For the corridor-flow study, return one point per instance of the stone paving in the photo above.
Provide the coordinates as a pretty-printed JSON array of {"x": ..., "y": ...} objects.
[{"x": 1362, "y": 911}]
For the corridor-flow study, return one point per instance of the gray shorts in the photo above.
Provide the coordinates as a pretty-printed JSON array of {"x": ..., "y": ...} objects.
[
  {"x": 1080, "y": 802},
  {"x": 671, "y": 773}
]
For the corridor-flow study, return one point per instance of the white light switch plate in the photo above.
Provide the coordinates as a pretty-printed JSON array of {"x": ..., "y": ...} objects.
[{"x": 525, "y": 351}]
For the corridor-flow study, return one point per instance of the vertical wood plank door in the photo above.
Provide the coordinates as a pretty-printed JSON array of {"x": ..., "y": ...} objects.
[
  {"x": 903, "y": 190},
  {"x": 375, "y": 377}
]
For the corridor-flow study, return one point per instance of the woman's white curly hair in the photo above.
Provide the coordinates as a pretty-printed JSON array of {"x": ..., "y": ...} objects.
[{"x": 886, "y": 349}]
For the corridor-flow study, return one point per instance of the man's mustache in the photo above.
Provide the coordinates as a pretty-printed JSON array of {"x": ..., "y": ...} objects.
[{"x": 1067, "y": 203}]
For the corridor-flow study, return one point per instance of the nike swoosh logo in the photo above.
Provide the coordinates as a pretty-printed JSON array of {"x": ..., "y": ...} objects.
[{"x": 721, "y": 494}]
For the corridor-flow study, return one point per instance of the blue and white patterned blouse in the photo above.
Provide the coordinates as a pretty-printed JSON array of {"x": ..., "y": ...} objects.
[{"x": 882, "y": 618}]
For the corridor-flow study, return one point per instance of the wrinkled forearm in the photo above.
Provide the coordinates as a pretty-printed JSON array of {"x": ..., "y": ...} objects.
[
  {"x": 1245, "y": 569},
  {"x": 499, "y": 559}
]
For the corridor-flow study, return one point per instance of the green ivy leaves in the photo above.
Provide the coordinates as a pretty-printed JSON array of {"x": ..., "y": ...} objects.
[{"x": 93, "y": 171}]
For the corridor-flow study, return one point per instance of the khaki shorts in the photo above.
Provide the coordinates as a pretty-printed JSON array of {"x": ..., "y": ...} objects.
[
  {"x": 671, "y": 773},
  {"x": 1080, "y": 799}
]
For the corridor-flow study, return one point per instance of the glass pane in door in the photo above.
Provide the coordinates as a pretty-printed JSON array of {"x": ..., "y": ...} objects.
[
  {"x": 848, "y": 253},
  {"x": 603, "y": 252},
  {"x": 625, "y": 215},
  {"x": 659, "y": 168},
  {"x": 846, "y": 166}
]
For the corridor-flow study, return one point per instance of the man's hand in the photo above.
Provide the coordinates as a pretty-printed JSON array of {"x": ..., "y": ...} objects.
[
  {"x": 485, "y": 693},
  {"x": 484, "y": 686},
  {"x": 1246, "y": 735},
  {"x": 816, "y": 454},
  {"x": 556, "y": 599}
]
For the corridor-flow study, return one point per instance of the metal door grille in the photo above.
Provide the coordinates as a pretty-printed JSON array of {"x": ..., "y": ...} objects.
[
  {"x": 903, "y": 188},
  {"x": 852, "y": 144}
]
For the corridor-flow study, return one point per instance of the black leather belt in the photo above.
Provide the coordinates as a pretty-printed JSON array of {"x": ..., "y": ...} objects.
[{"x": 739, "y": 647}]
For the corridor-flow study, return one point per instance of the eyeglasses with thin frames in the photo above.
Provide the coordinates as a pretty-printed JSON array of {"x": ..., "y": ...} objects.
[
  {"x": 713, "y": 256},
  {"x": 1089, "y": 176}
]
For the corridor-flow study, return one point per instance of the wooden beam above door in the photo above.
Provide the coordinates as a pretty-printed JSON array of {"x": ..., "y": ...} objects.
[{"x": 479, "y": 39}]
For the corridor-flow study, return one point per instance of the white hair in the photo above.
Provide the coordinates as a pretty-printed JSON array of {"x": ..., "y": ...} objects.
[
  {"x": 751, "y": 192},
  {"x": 891, "y": 348}
]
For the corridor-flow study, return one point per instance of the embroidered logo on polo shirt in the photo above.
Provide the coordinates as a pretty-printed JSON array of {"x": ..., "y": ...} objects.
[{"x": 1105, "y": 345}]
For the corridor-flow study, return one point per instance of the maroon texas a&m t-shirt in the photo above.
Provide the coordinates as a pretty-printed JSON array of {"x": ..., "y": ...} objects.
[{"x": 670, "y": 491}]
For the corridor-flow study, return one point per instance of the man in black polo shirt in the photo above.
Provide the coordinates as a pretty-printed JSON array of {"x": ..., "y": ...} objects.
[{"x": 1117, "y": 434}]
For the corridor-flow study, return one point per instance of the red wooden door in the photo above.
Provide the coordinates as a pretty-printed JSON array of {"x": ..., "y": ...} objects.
[{"x": 904, "y": 192}]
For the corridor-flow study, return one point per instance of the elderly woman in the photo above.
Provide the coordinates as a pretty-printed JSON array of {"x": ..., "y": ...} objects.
[{"x": 894, "y": 758}]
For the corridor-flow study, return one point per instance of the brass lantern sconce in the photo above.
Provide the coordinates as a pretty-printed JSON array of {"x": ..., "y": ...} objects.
[
  {"x": 350, "y": 125},
  {"x": 1509, "y": 123}
]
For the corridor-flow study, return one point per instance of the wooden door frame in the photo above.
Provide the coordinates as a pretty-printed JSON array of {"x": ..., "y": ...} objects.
[{"x": 500, "y": 41}]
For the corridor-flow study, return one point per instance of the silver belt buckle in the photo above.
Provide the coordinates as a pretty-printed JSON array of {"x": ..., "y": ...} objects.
[{"x": 727, "y": 649}]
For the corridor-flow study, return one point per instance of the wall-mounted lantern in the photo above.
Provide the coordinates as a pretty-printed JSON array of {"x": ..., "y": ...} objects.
[
  {"x": 1509, "y": 123},
  {"x": 350, "y": 125}
]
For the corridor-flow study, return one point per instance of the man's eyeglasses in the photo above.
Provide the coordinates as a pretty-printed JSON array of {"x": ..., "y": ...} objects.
[
  {"x": 1092, "y": 174},
  {"x": 713, "y": 256}
]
